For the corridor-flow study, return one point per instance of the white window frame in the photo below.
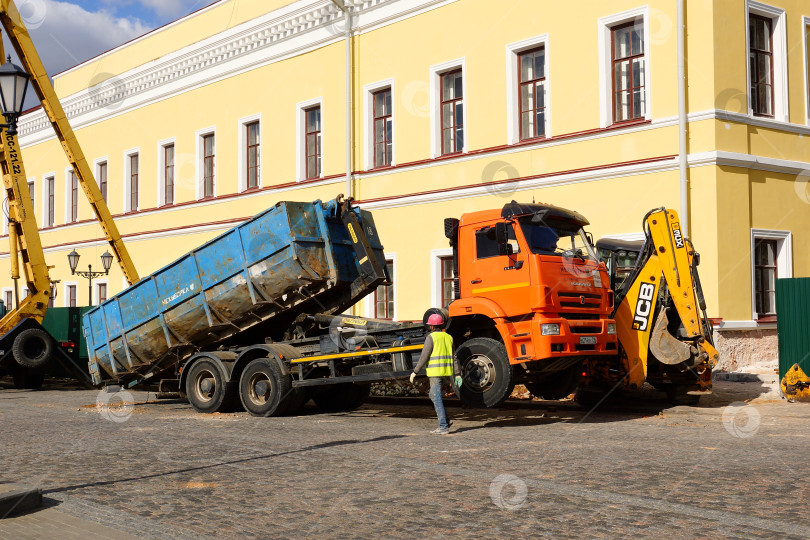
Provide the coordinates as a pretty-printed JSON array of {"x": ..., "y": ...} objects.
[
  {"x": 65, "y": 296},
  {"x": 300, "y": 138},
  {"x": 5, "y": 290},
  {"x": 780, "y": 72},
  {"x": 436, "y": 275},
  {"x": 96, "y": 163},
  {"x": 368, "y": 120},
  {"x": 127, "y": 178},
  {"x": 242, "y": 129},
  {"x": 805, "y": 30},
  {"x": 96, "y": 283},
  {"x": 369, "y": 300},
  {"x": 784, "y": 258},
  {"x": 44, "y": 197},
  {"x": 436, "y": 73},
  {"x": 513, "y": 50},
  {"x": 605, "y": 25},
  {"x": 30, "y": 181},
  {"x": 68, "y": 194},
  {"x": 200, "y": 161},
  {"x": 161, "y": 169}
]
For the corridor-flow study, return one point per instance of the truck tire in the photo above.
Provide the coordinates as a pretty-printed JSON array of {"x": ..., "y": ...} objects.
[
  {"x": 264, "y": 390},
  {"x": 557, "y": 385},
  {"x": 207, "y": 390},
  {"x": 486, "y": 371},
  {"x": 33, "y": 348},
  {"x": 341, "y": 397}
]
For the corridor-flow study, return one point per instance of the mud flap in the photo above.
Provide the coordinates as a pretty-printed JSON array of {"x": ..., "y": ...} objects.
[
  {"x": 665, "y": 348},
  {"x": 795, "y": 384}
]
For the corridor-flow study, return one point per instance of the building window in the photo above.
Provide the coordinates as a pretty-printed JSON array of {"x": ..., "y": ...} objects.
[
  {"x": 101, "y": 292},
  {"x": 168, "y": 174},
  {"x": 209, "y": 150},
  {"x": 384, "y": 296},
  {"x": 312, "y": 143},
  {"x": 8, "y": 299},
  {"x": 253, "y": 157},
  {"x": 74, "y": 197},
  {"x": 760, "y": 64},
  {"x": 532, "y": 81},
  {"x": 447, "y": 281},
  {"x": 71, "y": 296},
  {"x": 102, "y": 179},
  {"x": 51, "y": 201},
  {"x": 628, "y": 71},
  {"x": 31, "y": 194},
  {"x": 131, "y": 180},
  {"x": 383, "y": 128},
  {"x": 765, "y": 274},
  {"x": 452, "y": 112}
]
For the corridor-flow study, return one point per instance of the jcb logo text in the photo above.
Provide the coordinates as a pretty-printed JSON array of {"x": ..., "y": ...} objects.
[{"x": 641, "y": 318}]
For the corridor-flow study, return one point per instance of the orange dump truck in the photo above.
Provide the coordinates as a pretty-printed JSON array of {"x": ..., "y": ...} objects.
[{"x": 532, "y": 301}]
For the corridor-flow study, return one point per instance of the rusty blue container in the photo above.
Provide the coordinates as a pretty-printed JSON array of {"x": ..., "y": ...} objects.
[{"x": 247, "y": 285}]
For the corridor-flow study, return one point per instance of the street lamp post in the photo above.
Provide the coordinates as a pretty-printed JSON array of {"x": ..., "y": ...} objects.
[{"x": 73, "y": 261}]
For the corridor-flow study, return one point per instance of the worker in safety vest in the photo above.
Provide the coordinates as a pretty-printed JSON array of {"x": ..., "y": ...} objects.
[{"x": 438, "y": 354}]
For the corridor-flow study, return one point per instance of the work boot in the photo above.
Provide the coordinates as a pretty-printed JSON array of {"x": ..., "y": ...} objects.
[{"x": 441, "y": 431}]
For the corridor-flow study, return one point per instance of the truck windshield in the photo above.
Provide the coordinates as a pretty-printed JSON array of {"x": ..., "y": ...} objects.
[{"x": 557, "y": 237}]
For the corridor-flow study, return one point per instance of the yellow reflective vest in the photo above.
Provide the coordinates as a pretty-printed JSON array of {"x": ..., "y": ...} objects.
[{"x": 440, "y": 363}]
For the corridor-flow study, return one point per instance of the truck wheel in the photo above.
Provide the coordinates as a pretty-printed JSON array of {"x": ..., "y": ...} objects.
[
  {"x": 558, "y": 385},
  {"x": 341, "y": 397},
  {"x": 32, "y": 348},
  {"x": 488, "y": 376},
  {"x": 207, "y": 390},
  {"x": 264, "y": 390}
]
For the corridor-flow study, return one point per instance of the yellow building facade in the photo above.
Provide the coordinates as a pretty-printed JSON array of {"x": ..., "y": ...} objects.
[{"x": 455, "y": 106}]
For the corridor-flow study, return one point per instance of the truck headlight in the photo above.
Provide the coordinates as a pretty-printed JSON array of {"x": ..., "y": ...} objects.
[
  {"x": 549, "y": 329},
  {"x": 611, "y": 329}
]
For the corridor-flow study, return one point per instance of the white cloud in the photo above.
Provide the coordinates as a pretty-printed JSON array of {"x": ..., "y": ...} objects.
[
  {"x": 173, "y": 8},
  {"x": 69, "y": 34}
]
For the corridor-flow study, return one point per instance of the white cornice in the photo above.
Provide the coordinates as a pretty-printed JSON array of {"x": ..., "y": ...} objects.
[{"x": 295, "y": 29}]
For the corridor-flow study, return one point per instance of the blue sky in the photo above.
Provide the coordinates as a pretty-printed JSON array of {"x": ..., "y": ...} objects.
[{"x": 68, "y": 32}]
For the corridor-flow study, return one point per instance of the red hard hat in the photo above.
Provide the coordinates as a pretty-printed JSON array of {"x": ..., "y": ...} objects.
[{"x": 435, "y": 320}]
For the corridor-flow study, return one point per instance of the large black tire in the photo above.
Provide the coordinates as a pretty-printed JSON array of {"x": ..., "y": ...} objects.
[
  {"x": 488, "y": 376},
  {"x": 557, "y": 385},
  {"x": 33, "y": 348},
  {"x": 341, "y": 397},
  {"x": 28, "y": 379},
  {"x": 264, "y": 390},
  {"x": 207, "y": 390}
]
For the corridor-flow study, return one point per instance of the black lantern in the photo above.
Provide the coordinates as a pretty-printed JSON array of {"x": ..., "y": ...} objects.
[
  {"x": 13, "y": 87},
  {"x": 73, "y": 261},
  {"x": 106, "y": 261}
]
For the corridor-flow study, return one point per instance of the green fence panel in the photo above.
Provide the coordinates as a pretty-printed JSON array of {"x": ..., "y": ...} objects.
[{"x": 793, "y": 323}]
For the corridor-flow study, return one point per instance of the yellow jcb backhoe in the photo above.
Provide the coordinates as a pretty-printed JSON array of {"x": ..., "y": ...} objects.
[{"x": 665, "y": 337}]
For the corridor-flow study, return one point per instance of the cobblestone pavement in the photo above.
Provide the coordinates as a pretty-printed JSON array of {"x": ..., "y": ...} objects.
[{"x": 157, "y": 469}]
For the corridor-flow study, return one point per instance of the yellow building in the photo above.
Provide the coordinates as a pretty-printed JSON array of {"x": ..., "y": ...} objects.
[{"x": 455, "y": 106}]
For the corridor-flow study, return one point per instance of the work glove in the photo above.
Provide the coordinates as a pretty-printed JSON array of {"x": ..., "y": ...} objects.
[
  {"x": 413, "y": 376},
  {"x": 458, "y": 381}
]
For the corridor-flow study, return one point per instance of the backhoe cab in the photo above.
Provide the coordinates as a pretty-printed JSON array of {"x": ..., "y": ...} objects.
[
  {"x": 532, "y": 301},
  {"x": 665, "y": 337}
]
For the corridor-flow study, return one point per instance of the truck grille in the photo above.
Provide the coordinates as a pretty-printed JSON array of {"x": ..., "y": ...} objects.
[
  {"x": 579, "y": 300},
  {"x": 580, "y": 316},
  {"x": 585, "y": 329}
]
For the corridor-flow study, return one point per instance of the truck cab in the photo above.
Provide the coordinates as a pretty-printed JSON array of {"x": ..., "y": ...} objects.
[{"x": 532, "y": 301}]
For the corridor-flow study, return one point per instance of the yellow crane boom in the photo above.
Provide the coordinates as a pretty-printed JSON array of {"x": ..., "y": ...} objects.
[{"x": 21, "y": 41}]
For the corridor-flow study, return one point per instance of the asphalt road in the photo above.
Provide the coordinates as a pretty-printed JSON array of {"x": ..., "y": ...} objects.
[{"x": 157, "y": 469}]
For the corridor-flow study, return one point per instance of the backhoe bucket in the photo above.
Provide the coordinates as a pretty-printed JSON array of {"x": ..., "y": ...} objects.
[{"x": 666, "y": 348}]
